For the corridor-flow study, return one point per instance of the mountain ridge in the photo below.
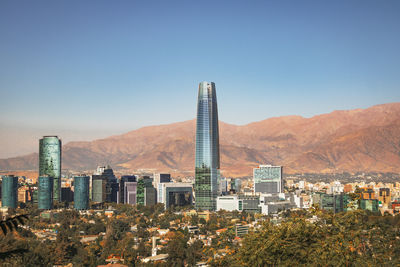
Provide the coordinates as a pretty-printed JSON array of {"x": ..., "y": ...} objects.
[{"x": 339, "y": 141}]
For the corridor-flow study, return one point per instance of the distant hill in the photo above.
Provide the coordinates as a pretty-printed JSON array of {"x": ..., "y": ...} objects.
[{"x": 354, "y": 140}]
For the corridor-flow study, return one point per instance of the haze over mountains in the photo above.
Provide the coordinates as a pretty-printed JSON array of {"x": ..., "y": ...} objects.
[{"x": 366, "y": 140}]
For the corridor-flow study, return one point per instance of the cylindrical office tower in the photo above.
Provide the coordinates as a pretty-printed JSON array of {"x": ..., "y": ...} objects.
[
  {"x": 81, "y": 192},
  {"x": 50, "y": 162},
  {"x": 9, "y": 191},
  {"x": 45, "y": 192},
  {"x": 207, "y": 148}
]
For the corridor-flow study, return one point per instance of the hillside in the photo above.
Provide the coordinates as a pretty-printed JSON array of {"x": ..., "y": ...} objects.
[{"x": 354, "y": 140}]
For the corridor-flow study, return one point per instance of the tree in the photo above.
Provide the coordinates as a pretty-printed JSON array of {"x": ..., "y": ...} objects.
[
  {"x": 176, "y": 249},
  {"x": 353, "y": 238},
  {"x": 194, "y": 253},
  {"x": 67, "y": 243}
]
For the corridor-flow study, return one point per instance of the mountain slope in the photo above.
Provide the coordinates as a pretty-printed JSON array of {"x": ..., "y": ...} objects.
[{"x": 353, "y": 140}]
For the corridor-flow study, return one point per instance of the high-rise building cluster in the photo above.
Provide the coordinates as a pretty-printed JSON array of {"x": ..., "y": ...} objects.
[
  {"x": 99, "y": 188},
  {"x": 264, "y": 193}
]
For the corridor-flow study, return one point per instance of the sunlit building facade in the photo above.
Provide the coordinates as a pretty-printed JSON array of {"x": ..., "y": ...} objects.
[
  {"x": 130, "y": 190},
  {"x": 268, "y": 179},
  {"x": 50, "y": 162},
  {"x": 207, "y": 163}
]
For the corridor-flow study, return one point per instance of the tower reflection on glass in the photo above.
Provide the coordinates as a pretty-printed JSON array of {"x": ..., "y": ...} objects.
[
  {"x": 207, "y": 148},
  {"x": 50, "y": 162}
]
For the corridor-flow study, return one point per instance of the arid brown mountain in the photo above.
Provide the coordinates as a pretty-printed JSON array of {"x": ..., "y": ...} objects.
[{"x": 355, "y": 140}]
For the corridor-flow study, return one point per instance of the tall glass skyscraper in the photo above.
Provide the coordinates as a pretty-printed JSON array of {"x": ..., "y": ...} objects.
[
  {"x": 207, "y": 148},
  {"x": 50, "y": 162},
  {"x": 81, "y": 192},
  {"x": 45, "y": 192},
  {"x": 9, "y": 191},
  {"x": 104, "y": 185}
]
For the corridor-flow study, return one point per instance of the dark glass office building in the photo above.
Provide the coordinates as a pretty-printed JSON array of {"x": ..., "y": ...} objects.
[
  {"x": 105, "y": 186},
  {"x": 125, "y": 179},
  {"x": 45, "y": 192},
  {"x": 81, "y": 192},
  {"x": 207, "y": 148},
  {"x": 67, "y": 195},
  {"x": 50, "y": 162},
  {"x": 178, "y": 196},
  {"x": 9, "y": 191}
]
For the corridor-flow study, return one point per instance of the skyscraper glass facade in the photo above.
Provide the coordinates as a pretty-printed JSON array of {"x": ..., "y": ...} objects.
[
  {"x": 268, "y": 179},
  {"x": 236, "y": 185},
  {"x": 104, "y": 185},
  {"x": 130, "y": 192},
  {"x": 81, "y": 192},
  {"x": 50, "y": 162},
  {"x": 112, "y": 185},
  {"x": 178, "y": 196},
  {"x": 45, "y": 192},
  {"x": 142, "y": 184},
  {"x": 124, "y": 179},
  {"x": 207, "y": 148},
  {"x": 9, "y": 189},
  {"x": 98, "y": 188}
]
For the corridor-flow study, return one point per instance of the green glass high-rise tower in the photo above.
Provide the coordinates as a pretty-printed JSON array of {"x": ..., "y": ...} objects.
[
  {"x": 45, "y": 192},
  {"x": 207, "y": 148},
  {"x": 50, "y": 162},
  {"x": 9, "y": 191},
  {"x": 81, "y": 192}
]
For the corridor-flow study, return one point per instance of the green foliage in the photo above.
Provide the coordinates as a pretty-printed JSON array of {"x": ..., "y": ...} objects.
[
  {"x": 180, "y": 253},
  {"x": 194, "y": 219},
  {"x": 119, "y": 228},
  {"x": 194, "y": 253},
  {"x": 346, "y": 239},
  {"x": 67, "y": 244},
  {"x": 176, "y": 250},
  {"x": 357, "y": 238},
  {"x": 15, "y": 252}
]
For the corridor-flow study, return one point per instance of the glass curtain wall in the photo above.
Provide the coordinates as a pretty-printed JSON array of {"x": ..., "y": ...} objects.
[
  {"x": 50, "y": 162},
  {"x": 207, "y": 148}
]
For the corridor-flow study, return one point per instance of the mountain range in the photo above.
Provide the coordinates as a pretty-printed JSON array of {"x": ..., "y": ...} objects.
[{"x": 360, "y": 140}]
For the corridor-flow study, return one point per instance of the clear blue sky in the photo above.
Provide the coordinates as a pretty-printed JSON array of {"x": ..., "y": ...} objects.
[{"x": 88, "y": 69}]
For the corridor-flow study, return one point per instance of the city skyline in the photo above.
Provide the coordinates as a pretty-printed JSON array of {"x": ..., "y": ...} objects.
[
  {"x": 62, "y": 63},
  {"x": 297, "y": 163},
  {"x": 341, "y": 141}
]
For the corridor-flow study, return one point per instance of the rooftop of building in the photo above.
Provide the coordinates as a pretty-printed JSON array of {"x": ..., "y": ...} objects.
[{"x": 156, "y": 258}]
